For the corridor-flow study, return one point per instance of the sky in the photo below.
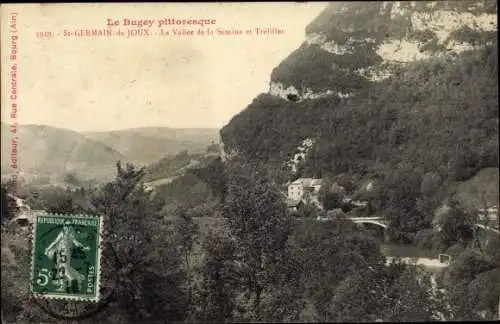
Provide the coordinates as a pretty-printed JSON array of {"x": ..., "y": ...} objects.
[{"x": 107, "y": 83}]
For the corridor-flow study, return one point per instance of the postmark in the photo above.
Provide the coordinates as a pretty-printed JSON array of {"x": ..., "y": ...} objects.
[{"x": 66, "y": 256}]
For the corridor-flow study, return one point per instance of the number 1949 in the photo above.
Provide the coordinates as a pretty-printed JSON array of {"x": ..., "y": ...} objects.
[{"x": 44, "y": 34}]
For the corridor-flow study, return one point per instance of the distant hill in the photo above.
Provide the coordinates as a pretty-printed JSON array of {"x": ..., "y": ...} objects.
[
  {"x": 45, "y": 150},
  {"x": 147, "y": 145}
]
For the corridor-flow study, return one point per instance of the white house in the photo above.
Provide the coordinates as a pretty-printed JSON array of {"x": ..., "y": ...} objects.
[
  {"x": 491, "y": 212},
  {"x": 303, "y": 189},
  {"x": 24, "y": 214},
  {"x": 25, "y": 218}
]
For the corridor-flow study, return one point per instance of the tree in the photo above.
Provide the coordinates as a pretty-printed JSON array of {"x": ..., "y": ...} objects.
[
  {"x": 260, "y": 226},
  {"x": 355, "y": 299},
  {"x": 8, "y": 204},
  {"x": 483, "y": 293},
  {"x": 484, "y": 188},
  {"x": 412, "y": 298},
  {"x": 457, "y": 224},
  {"x": 165, "y": 286},
  {"x": 214, "y": 175},
  {"x": 72, "y": 179},
  {"x": 329, "y": 253},
  {"x": 150, "y": 276},
  {"x": 186, "y": 231},
  {"x": 58, "y": 201},
  {"x": 396, "y": 292},
  {"x": 13, "y": 265},
  {"x": 306, "y": 210},
  {"x": 467, "y": 266},
  {"x": 468, "y": 274},
  {"x": 219, "y": 280},
  {"x": 213, "y": 148},
  {"x": 331, "y": 194},
  {"x": 332, "y": 200},
  {"x": 400, "y": 192}
]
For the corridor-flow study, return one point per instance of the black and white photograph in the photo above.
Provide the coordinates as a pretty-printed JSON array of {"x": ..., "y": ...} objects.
[{"x": 238, "y": 162}]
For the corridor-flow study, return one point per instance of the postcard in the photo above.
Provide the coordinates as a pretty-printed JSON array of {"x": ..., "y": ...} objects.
[{"x": 250, "y": 162}]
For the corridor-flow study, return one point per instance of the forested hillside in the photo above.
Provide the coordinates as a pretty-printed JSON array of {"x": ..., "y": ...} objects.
[
  {"x": 424, "y": 93},
  {"x": 376, "y": 114},
  {"x": 412, "y": 136},
  {"x": 257, "y": 263}
]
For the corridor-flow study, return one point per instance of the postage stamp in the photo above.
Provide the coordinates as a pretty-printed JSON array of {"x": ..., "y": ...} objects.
[{"x": 66, "y": 257}]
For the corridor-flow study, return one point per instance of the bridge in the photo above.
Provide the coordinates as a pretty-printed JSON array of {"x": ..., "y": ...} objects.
[
  {"x": 376, "y": 220},
  {"x": 382, "y": 222}
]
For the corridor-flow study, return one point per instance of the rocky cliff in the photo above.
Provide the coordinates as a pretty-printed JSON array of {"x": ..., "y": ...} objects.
[
  {"x": 377, "y": 83},
  {"x": 355, "y": 43}
]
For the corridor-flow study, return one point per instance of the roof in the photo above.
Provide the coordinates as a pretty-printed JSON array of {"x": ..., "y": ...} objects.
[
  {"x": 30, "y": 216},
  {"x": 308, "y": 182},
  {"x": 293, "y": 203},
  {"x": 19, "y": 202}
]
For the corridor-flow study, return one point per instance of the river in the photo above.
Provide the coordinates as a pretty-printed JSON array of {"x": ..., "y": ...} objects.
[
  {"x": 407, "y": 251},
  {"x": 415, "y": 255}
]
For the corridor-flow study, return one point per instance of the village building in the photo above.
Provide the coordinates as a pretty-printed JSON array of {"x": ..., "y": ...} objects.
[
  {"x": 303, "y": 190},
  {"x": 24, "y": 214},
  {"x": 489, "y": 213},
  {"x": 294, "y": 205}
]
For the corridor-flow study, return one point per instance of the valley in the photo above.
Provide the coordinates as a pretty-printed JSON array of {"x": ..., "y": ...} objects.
[
  {"x": 48, "y": 153},
  {"x": 362, "y": 186}
]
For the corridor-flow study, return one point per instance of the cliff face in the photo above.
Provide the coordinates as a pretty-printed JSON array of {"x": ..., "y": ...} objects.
[
  {"x": 363, "y": 61},
  {"x": 362, "y": 42}
]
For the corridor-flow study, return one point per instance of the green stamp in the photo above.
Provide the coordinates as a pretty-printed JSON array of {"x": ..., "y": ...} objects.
[{"x": 66, "y": 257}]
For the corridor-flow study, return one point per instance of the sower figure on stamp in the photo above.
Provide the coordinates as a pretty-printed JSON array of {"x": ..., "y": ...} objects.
[{"x": 60, "y": 251}]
